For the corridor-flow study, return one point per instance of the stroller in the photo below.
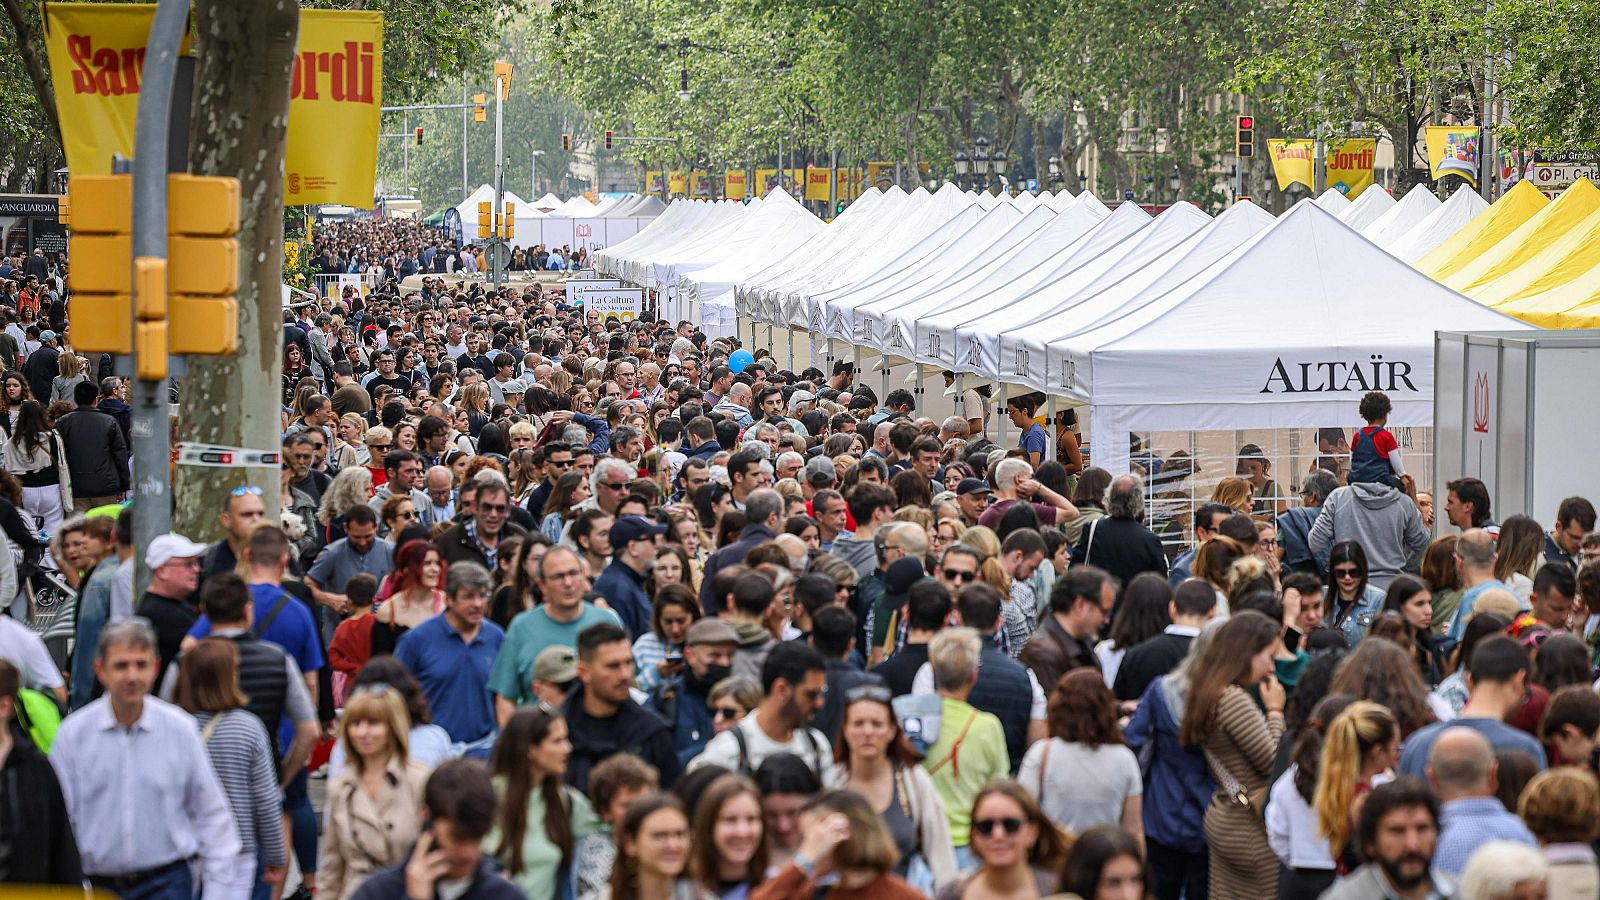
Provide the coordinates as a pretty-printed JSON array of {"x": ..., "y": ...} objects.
[{"x": 49, "y": 605}]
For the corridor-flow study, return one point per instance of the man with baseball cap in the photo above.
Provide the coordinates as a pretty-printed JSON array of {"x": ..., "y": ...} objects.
[
  {"x": 555, "y": 671},
  {"x": 633, "y": 548},
  {"x": 819, "y": 475},
  {"x": 684, "y": 700},
  {"x": 174, "y": 563},
  {"x": 972, "y": 496}
]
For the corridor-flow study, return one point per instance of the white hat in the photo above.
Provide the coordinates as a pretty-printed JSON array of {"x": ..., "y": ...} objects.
[{"x": 169, "y": 547}]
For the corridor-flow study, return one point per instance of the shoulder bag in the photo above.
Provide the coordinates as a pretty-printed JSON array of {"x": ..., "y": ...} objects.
[{"x": 1255, "y": 801}]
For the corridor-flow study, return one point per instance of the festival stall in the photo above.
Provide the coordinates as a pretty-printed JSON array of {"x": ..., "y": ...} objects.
[
  {"x": 1443, "y": 223},
  {"x": 1371, "y": 206},
  {"x": 1417, "y": 205}
]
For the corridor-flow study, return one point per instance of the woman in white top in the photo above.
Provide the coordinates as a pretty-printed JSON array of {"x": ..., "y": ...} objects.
[
  {"x": 1085, "y": 775},
  {"x": 1293, "y": 829}
]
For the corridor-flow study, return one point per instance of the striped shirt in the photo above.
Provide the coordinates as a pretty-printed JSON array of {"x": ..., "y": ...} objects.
[{"x": 242, "y": 759}]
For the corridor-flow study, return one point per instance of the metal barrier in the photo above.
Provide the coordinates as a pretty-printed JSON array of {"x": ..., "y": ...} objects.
[{"x": 335, "y": 282}]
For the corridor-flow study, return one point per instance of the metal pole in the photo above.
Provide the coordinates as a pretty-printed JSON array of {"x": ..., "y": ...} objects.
[
  {"x": 465, "y": 120},
  {"x": 405, "y": 152},
  {"x": 499, "y": 180},
  {"x": 150, "y": 433},
  {"x": 833, "y": 179}
]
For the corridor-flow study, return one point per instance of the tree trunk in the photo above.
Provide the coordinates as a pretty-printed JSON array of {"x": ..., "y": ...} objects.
[
  {"x": 28, "y": 44},
  {"x": 240, "y": 118}
]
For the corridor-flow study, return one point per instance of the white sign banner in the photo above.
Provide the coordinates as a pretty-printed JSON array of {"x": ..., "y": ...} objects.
[
  {"x": 624, "y": 303},
  {"x": 581, "y": 291}
]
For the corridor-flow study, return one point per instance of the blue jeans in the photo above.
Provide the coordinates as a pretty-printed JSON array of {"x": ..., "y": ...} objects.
[{"x": 297, "y": 803}]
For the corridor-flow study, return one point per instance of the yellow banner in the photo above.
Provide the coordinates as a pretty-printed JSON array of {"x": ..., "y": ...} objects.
[
  {"x": 337, "y": 89},
  {"x": 1350, "y": 165},
  {"x": 849, "y": 183},
  {"x": 1453, "y": 150},
  {"x": 96, "y": 53},
  {"x": 819, "y": 184},
  {"x": 879, "y": 175},
  {"x": 654, "y": 182},
  {"x": 1292, "y": 162},
  {"x": 701, "y": 183},
  {"x": 733, "y": 184},
  {"x": 766, "y": 180},
  {"x": 677, "y": 183}
]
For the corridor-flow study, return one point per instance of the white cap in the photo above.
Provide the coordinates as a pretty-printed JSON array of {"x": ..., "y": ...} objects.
[{"x": 169, "y": 547}]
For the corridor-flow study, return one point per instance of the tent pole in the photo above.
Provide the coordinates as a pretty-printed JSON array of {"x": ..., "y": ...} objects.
[
  {"x": 919, "y": 389},
  {"x": 791, "y": 349},
  {"x": 1005, "y": 391},
  {"x": 1055, "y": 429}
]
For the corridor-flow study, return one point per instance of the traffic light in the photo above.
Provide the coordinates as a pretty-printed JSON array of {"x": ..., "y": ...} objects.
[
  {"x": 510, "y": 221},
  {"x": 566, "y": 143},
  {"x": 838, "y": 208},
  {"x": 485, "y": 219},
  {"x": 608, "y": 139},
  {"x": 101, "y": 241},
  {"x": 419, "y": 137},
  {"x": 479, "y": 112},
  {"x": 502, "y": 78},
  {"x": 1245, "y": 136},
  {"x": 202, "y": 316}
]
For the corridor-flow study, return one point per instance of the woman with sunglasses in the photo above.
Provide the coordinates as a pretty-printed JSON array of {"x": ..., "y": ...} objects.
[
  {"x": 731, "y": 699},
  {"x": 541, "y": 818},
  {"x": 881, "y": 765},
  {"x": 1018, "y": 851},
  {"x": 398, "y": 512},
  {"x": 1352, "y": 602},
  {"x": 373, "y": 807}
]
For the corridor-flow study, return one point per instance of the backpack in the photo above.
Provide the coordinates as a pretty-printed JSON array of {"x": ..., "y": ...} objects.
[
  {"x": 39, "y": 716},
  {"x": 743, "y": 744}
]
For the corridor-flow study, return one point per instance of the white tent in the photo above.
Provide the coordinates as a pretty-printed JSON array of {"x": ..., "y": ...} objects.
[
  {"x": 1333, "y": 200},
  {"x": 679, "y": 217},
  {"x": 1416, "y": 205},
  {"x": 888, "y": 324},
  {"x": 547, "y": 203},
  {"x": 578, "y": 207},
  {"x": 705, "y": 295},
  {"x": 978, "y": 340},
  {"x": 1030, "y": 348},
  {"x": 972, "y": 227},
  {"x": 750, "y": 295},
  {"x": 1332, "y": 331},
  {"x": 1451, "y": 216},
  {"x": 1368, "y": 208}
]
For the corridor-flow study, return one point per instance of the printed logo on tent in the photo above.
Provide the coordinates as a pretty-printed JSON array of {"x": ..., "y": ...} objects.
[
  {"x": 933, "y": 342},
  {"x": 584, "y": 231},
  {"x": 864, "y": 330},
  {"x": 1022, "y": 361},
  {"x": 1339, "y": 376},
  {"x": 1480, "y": 403},
  {"x": 895, "y": 340},
  {"x": 1069, "y": 374},
  {"x": 974, "y": 353}
]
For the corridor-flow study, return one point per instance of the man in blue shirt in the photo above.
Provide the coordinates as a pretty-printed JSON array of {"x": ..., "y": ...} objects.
[
  {"x": 1462, "y": 769},
  {"x": 633, "y": 544},
  {"x": 359, "y": 552},
  {"x": 451, "y": 655},
  {"x": 1475, "y": 553},
  {"x": 1034, "y": 442},
  {"x": 1206, "y": 520},
  {"x": 1496, "y": 677}
]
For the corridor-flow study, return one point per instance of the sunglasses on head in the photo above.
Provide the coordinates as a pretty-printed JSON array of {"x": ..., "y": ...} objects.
[
  {"x": 246, "y": 489},
  {"x": 1008, "y": 825}
]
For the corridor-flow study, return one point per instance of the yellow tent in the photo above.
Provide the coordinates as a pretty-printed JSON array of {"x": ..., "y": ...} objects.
[
  {"x": 1554, "y": 262},
  {"x": 1529, "y": 239},
  {"x": 1517, "y": 206},
  {"x": 1573, "y": 304}
]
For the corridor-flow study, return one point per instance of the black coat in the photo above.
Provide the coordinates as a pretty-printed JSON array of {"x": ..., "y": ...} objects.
[
  {"x": 633, "y": 729},
  {"x": 97, "y": 454},
  {"x": 1122, "y": 547},
  {"x": 40, "y": 369},
  {"x": 34, "y": 818}
]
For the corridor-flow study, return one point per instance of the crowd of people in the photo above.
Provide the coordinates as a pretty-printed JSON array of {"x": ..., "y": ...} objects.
[{"x": 563, "y": 607}]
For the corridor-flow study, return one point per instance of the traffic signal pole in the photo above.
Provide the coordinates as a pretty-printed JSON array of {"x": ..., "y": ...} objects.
[
  {"x": 150, "y": 433},
  {"x": 495, "y": 273}
]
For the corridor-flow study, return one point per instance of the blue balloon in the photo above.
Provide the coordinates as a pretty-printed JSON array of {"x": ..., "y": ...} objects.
[{"x": 738, "y": 360}]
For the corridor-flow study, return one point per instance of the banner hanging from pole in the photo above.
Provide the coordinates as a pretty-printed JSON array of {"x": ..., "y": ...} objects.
[
  {"x": 1350, "y": 165},
  {"x": 1292, "y": 162},
  {"x": 96, "y": 53},
  {"x": 1453, "y": 150}
]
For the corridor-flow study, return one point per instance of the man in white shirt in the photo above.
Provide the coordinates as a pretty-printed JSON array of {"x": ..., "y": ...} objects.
[{"x": 139, "y": 787}]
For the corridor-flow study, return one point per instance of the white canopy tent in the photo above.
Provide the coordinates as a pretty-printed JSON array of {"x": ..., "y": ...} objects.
[
  {"x": 1451, "y": 216},
  {"x": 888, "y": 324},
  {"x": 1368, "y": 208},
  {"x": 1030, "y": 347},
  {"x": 1416, "y": 205},
  {"x": 978, "y": 340},
  {"x": 1333, "y": 332},
  {"x": 1333, "y": 201},
  {"x": 935, "y": 337},
  {"x": 705, "y": 295},
  {"x": 677, "y": 219}
]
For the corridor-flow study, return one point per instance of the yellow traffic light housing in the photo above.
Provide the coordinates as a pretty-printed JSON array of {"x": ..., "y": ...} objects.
[
  {"x": 566, "y": 143},
  {"x": 509, "y": 222},
  {"x": 485, "y": 219},
  {"x": 100, "y": 244},
  {"x": 479, "y": 112},
  {"x": 502, "y": 78},
  {"x": 201, "y": 316}
]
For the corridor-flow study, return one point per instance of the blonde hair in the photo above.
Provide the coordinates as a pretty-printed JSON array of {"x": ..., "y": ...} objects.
[
  {"x": 983, "y": 539},
  {"x": 1497, "y": 600},
  {"x": 1234, "y": 492},
  {"x": 954, "y": 653},
  {"x": 519, "y": 429},
  {"x": 376, "y": 703},
  {"x": 1349, "y": 738},
  {"x": 1562, "y": 806}
]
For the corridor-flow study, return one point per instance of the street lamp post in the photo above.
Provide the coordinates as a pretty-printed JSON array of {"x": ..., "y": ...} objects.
[
  {"x": 1055, "y": 171},
  {"x": 980, "y": 164},
  {"x": 1175, "y": 181},
  {"x": 963, "y": 166},
  {"x": 1000, "y": 160}
]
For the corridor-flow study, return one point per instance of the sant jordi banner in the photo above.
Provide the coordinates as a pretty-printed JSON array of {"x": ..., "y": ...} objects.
[
  {"x": 819, "y": 184},
  {"x": 1349, "y": 164},
  {"x": 1453, "y": 151},
  {"x": 97, "y": 52},
  {"x": 733, "y": 184}
]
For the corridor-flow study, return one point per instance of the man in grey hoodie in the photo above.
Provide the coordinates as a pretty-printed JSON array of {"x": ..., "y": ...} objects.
[{"x": 1384, "y": 521}]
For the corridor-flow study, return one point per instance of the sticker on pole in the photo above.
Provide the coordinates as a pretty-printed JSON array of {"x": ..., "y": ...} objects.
[{"x": 218, "y": 457}]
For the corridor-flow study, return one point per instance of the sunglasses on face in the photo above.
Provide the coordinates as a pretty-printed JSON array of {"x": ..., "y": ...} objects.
[
  {"x": 1006, "y": 825},
  {"x": 726, "y": 712},
  {"x": 493, "y": 507},
  {"x": 383, "y": 447},
  {"x": 955, "y": 575},
  {"x": 1347, "y": 573}
]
